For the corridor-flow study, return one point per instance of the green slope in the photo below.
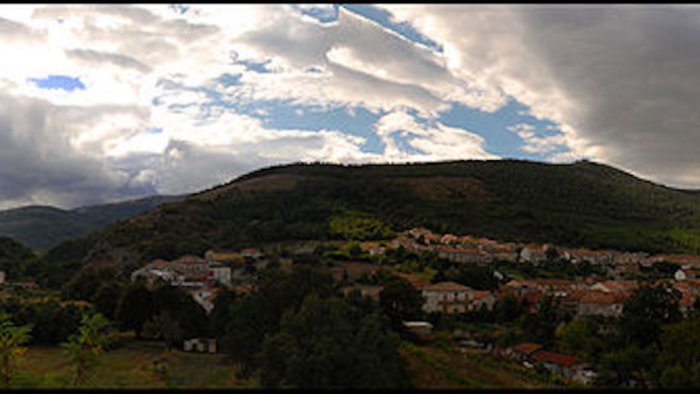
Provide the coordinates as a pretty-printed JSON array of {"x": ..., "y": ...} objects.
[{"x": 580, "y": 204}]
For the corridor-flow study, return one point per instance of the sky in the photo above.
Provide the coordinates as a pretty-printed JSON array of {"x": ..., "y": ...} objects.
[{"x": 101, "y": 103}]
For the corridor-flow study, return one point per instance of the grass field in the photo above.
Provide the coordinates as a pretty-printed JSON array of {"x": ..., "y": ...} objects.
[
  {"x": 435, "y": 368},
  {"x": 130, "y": 367}
]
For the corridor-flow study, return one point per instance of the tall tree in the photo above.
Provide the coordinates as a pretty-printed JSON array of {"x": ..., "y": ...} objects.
[
  {"x": 400, "y": 301},
  {"x": 135, "y": 308},
  {"x": 322, "y": 346},
  {"x": 644, "y": 314},
  {"x": 12, "y": 338},
  {"x": 85, "y": 347}
]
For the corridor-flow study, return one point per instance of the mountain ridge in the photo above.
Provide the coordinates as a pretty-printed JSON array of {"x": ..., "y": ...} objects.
[
  {"x": 41, "y": 227},
  {"x": 579, "y": 204}
]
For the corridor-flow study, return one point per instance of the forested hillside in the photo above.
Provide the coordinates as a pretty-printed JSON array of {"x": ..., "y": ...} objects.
[{"x": 579, "y": 204}]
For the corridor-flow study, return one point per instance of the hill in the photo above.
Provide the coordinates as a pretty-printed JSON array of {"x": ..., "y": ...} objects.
[
  {"x": 42, "y": 227},
  {"x": 579, "y": 204}
]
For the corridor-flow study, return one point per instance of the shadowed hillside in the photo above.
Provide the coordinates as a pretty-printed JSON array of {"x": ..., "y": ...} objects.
[{"x": 41, "y": 227}]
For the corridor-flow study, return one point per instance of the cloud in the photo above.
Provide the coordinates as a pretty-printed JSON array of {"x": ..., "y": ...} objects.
[
  {"x": 618, "y": 79},
  {"x": 176, "y": 99},
  {"x": 431, "y": 142},
  {"x": 39, "y": 163}
]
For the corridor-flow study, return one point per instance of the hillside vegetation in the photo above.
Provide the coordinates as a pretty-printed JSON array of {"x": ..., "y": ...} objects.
[
  {"x": 579, "y": 204},
  {"x": 42, "y": 227}
]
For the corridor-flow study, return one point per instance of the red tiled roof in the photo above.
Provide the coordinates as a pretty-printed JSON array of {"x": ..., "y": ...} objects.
[
  {"x": 600, "y": 297},
  {"x": 619, "y": 285},
  {"x": 447, "y": 286},
  {"x": 555, "y": 358},
  {"x": 527, "y": 348},
  {"x": 479, "y": 294},
  {"x": 458, "y": 250}
]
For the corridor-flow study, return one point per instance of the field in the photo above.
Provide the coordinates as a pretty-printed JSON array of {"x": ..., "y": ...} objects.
[
  {"x": 130, "y": 367},
  {"x": 136, "y": 365},
  {"x": 436, "y": 367}
]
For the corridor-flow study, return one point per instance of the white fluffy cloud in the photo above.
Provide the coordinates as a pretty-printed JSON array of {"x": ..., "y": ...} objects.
[{"x": 153, "y": 116}]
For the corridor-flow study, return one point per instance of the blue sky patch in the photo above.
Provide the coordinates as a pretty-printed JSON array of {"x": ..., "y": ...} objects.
[
  {"x": 403, "y": 141},
  {"x": 383, "y": 17},
  {"x": 63, "y": 82},
  {"x": 321, "y": 14},
  {"x": 282, "y": 115},
  {"x": 493, "y": 128}
]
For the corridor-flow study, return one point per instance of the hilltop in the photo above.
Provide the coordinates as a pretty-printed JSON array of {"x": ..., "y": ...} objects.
[
  {"x": 43, "y": 227},
  {"x": 579, "y": 204}
]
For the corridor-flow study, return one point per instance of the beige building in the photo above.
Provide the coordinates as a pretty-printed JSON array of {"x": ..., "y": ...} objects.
[{"x": 447, "y": 297}]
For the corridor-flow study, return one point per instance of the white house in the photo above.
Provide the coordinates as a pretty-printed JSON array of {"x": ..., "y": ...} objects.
[
  {"x": 683, "y": 274},
  {"x": 205, "y": 298},
  {"x": 446, "y": 297},
  {"x": 220, "y": 273}
]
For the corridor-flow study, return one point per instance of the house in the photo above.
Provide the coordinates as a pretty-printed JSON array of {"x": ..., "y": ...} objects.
[
  {"x": 224, "y": 257},
  {"x": 192, "y": 267},
  {"x": 559, "y": 364},
  {"x": 524, "y": 351},
  {"x": 600, "y": 303},
  {"x": 446, "y": 297},
  {"x": 463, "y": 255},
  {"x": 251, "y": 253},
  {"x": 202, "y": 345},
  {"x": 420, "y": 328},
  {"x": 365, "y": 290},
  {"x": 683, "y": 274},
  {"x": 533, "y": 253},
  {"x": 205, "y": 298},
  {"x": 482, "y": 299},
  {"x": 616, "y": 286},
  {"x": 449, "y": 239},
  {"x": 220, "y": 273}
]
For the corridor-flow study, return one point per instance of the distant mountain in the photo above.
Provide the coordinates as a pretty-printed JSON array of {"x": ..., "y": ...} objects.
[
  {"x": 43, "y": 227},
  {"x": 579, "y": 204}
]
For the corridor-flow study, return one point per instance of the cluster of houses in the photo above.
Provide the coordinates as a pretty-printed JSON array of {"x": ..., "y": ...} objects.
[
  {"x": 202, "y": 277},
  {"x": 581, "y": 298},
  {"x": 469, "y": 249}
]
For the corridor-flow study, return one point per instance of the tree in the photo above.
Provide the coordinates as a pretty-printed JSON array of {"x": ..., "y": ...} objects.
[
  {"x": 679, "y": 362},
  {"x": 580, "y": 337},
  {"x": 169, "y": 328},
  {"x": 619, "y": 367},
  {"x": 400, "y": 301},
  {"x": 85, "y": 347},
  {"x": 644, "y": 314},
  {"x": 12, "y": 338},
  {"x": 508, "y": 309},
  {"x": 541, "y": 327},
  {"x": 322, "y": 346},
  {"x": 135, "y": 308}
]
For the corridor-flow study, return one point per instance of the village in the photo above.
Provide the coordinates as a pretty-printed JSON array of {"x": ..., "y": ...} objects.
[{"x": 204, "y": 277}]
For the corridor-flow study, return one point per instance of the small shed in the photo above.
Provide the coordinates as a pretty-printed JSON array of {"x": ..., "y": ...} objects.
[
  {"x": 201, "y": 345},
  {"x": 420, "y": 328}
]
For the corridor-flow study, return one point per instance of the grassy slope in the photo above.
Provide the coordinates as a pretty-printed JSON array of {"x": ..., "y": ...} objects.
[
  {"x": 435, "y": 368},
  {"x": 129, "y": 367},
  {"x": 582, "y": 204}
]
